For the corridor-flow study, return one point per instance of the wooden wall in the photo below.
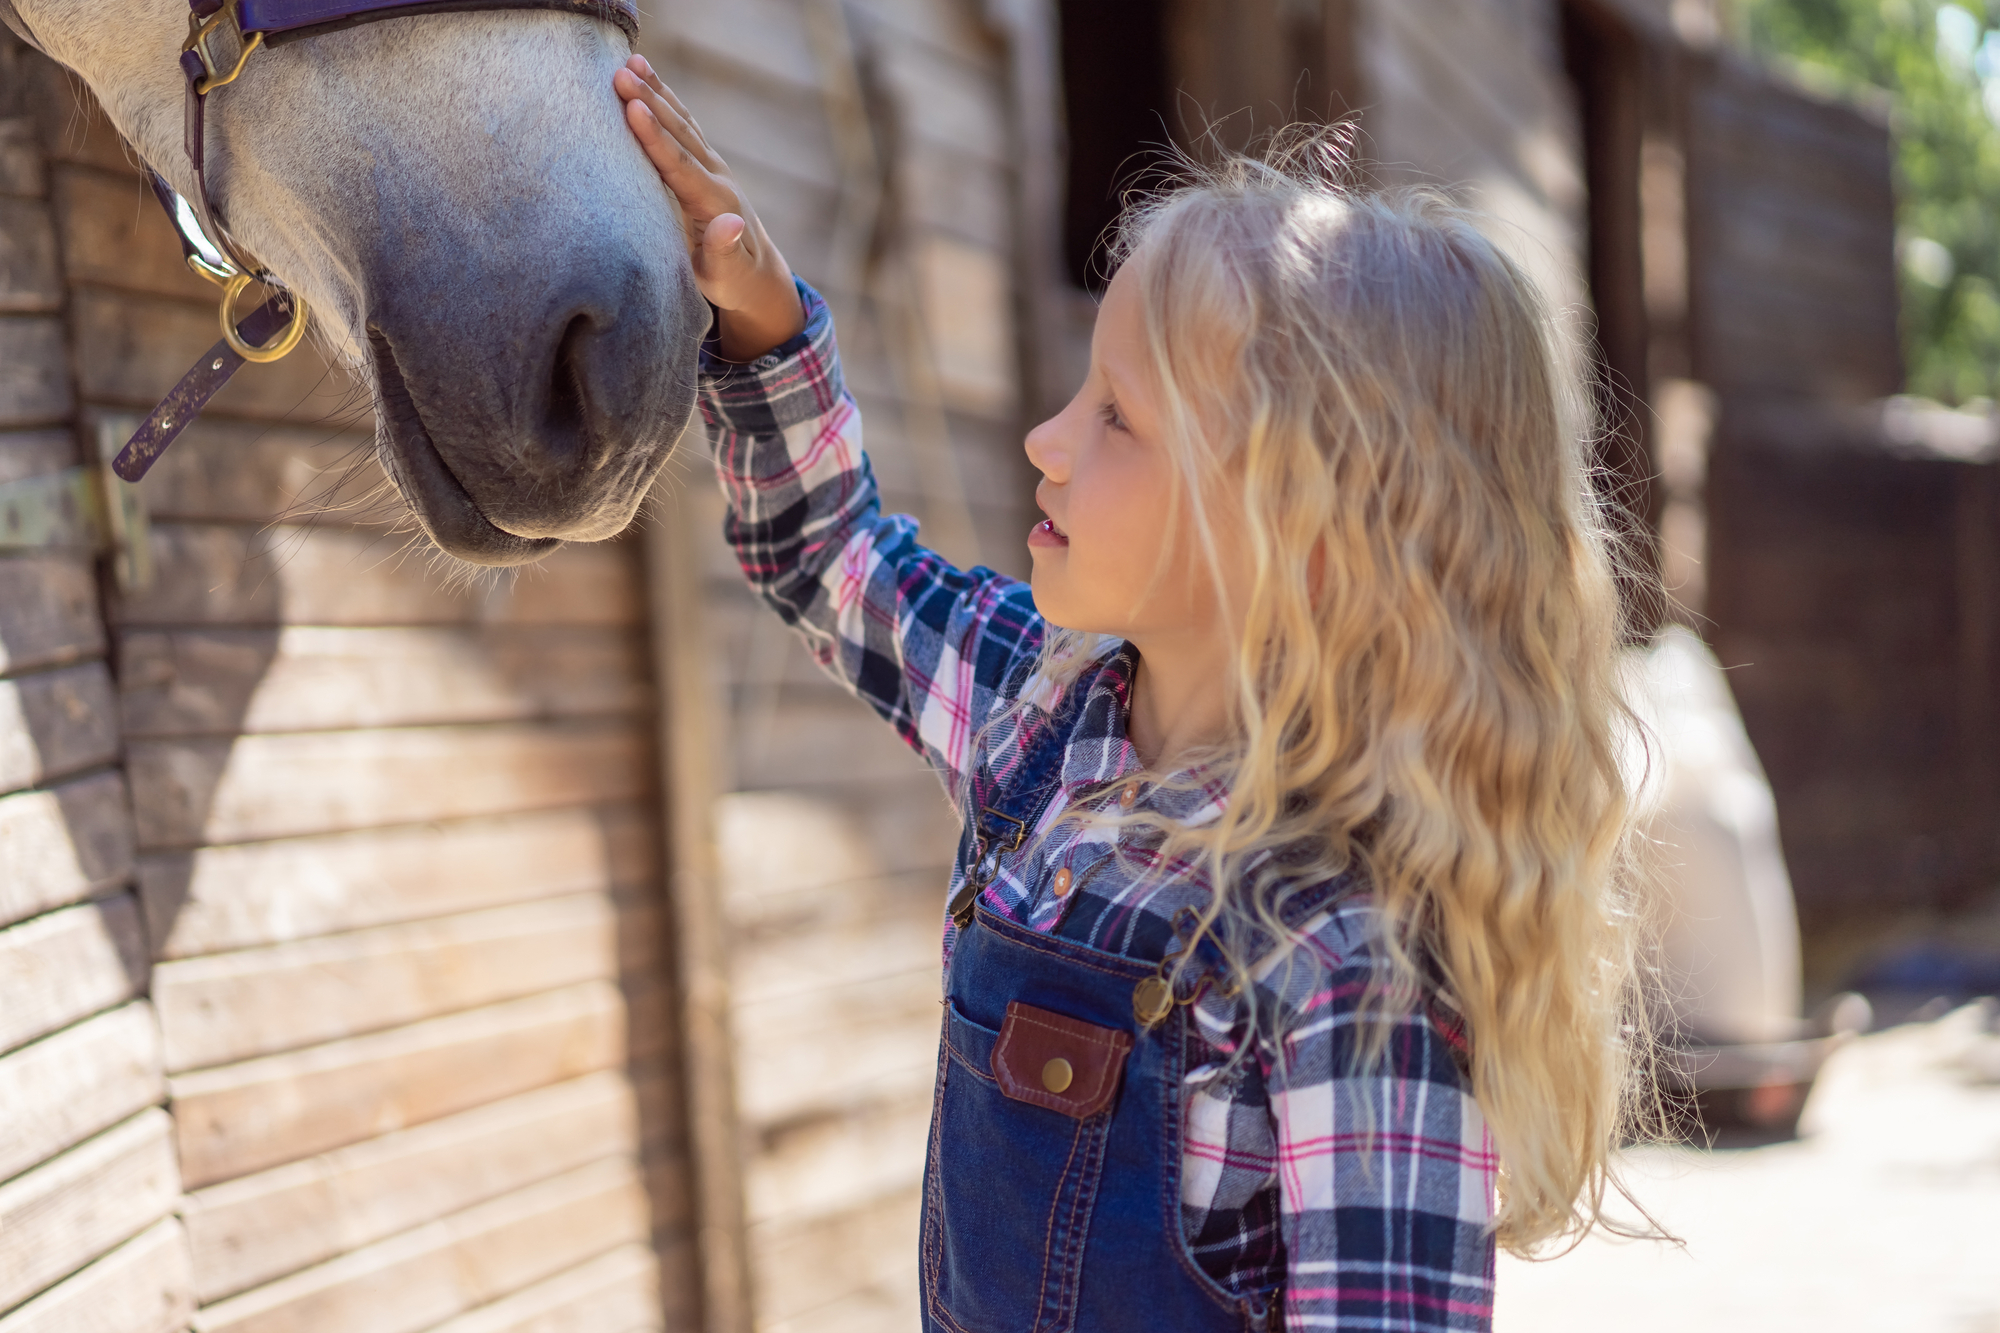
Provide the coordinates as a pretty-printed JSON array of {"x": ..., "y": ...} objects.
[
  {"x": 873, "y": 137},
  {"x": 332, "y": 984},
  {"x": 1852, "y": 574}
]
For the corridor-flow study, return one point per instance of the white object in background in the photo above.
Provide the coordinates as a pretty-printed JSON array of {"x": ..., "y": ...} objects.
[{"x": 1729, "y": 931}]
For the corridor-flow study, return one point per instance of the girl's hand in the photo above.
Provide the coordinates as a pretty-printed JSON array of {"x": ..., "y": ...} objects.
[{"x": 735, "y": 265}]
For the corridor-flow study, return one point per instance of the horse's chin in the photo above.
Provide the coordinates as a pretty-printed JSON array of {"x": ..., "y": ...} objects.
[{"x": 444, "y": 509}]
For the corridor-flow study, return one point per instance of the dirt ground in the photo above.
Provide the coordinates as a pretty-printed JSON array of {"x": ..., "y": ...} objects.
[{"x": 1883, "y": 1216}]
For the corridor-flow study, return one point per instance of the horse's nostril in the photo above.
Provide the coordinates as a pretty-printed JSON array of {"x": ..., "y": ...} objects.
[{"x": 564, "y": 422}]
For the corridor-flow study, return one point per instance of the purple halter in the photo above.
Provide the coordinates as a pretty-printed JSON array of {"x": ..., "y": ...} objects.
[{"x": 222, "y": 36}]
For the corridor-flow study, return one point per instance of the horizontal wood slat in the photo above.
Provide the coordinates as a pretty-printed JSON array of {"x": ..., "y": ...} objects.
[
  {"x": 806, "y": 1265},
  {"x": 23, "y": 174},
  {"x": 29, "y": 280},
  {"x": 281, "y": 1108},
  {"x": 872, "y": 1040},
  {"x": 242, "y": 575},
  {"x": 619, "y": 1290},
  {"x": 254, "y": 1002},
  {"x": 34, "y": 371},
  {"x": 222, "y": 471},
  {"x": 63, "y": 844},
  {"x": 69, "y": 1211},
  {"x": 68, "y": 1086},
  {"x": 190, "y": 792},
  {"x": 830, "y": 1165},
  {"x": 252, "y": 1230},
  {"x": 130, "y": 350},
  {"x": 55, "y": 723},
  {"x": 263, "y": 893},
  {"x": 444, "y": 1268},
  {"x": 68, "y": 965},
  {"x": 310, "y": 678},
  {"x": 48, "y": 611},
  {"x": 115, "y": 235},
  {"x": 145, "y": 1285},
  {"x": 34, "y": 453}
]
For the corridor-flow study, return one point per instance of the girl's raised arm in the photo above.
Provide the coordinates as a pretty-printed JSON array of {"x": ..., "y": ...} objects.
[{"x": 928, "y": 646}]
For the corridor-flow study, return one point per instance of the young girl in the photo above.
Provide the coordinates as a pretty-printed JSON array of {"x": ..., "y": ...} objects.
[{"x": 1285, "y": 972}]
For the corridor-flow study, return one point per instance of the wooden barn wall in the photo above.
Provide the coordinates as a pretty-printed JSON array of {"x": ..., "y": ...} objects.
[
  {"x": 1471, "y": 95},
  {"x": 332, "y": 992},
  {"x": 1857, "y": 590},
  {"x": 835, "y": 841}
]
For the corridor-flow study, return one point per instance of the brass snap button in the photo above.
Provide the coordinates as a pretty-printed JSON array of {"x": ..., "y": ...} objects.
[
  {"x": 1152, "y": 1000},
  {"x": 1129, "y": 795},
  {"x": 1063, "y": 880},
  {"x": 1057, "y": 1075}
]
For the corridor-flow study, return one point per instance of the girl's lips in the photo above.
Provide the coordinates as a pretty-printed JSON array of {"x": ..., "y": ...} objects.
[{"x": 1046, "y": 533}]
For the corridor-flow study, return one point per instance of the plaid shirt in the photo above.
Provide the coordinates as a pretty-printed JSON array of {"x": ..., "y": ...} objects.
[{"x": 1365, "y": 1196}]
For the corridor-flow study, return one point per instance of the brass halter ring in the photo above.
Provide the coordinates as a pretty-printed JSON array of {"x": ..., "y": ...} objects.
[{"x": 273, "y": 351}]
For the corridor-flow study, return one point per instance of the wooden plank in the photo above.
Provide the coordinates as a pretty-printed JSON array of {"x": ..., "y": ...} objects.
[
  {"x": 688, "y": 753},
  {"x": 234, "y": 575},
  {"x": 68, "y": 1086},
  {"x": 312, "y": 678},
  {"x": 947, "y": 101},
  {"x": 616, "y": 1291},
  {"x": 63, "y": 844},
  {"x": 69, "y": 1211},
  {"x": 254, "y": 472},
  {"x": 256, "y": 1002},
  {"x": 766, "y": 37},
  {"x": 67, "y": 965},
  {"x": 246, "y": 1117},
  {"x": 30, "y": 283},
  {"x": 48, "y": 611},
  {"x": 73, "y": 127},
  {"x": 55, "y": 723},
  {"x": 874, "y": 1041},
  {"x": 131, "y": 349},
  {"x": 444, "y": 1268},
  {"x": 34, "y": 453},
  {"x": 22, "y": 174},
  {"x": 34, "y": 371},
  {"x": 833, "y": 1164},
  {"x": 253, "y": 1230},
  {"x": 116, "y": 235},
  {"x": 809, "y": 1264},
  {"x": 145, "y": 1285},
  {"x": 263, "y": 893},
  {"x": 190, "y": 792}
]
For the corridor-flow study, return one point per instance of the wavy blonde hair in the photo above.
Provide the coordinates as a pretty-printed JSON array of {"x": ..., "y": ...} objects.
[{"x": 1426, "y": 684}]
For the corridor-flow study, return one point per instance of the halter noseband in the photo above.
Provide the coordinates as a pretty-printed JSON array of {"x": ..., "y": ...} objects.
[{"x": 222, "y": 36}]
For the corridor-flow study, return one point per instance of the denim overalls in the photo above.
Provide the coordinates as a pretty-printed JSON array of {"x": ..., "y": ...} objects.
[{"x": 1053, "y": 1180}]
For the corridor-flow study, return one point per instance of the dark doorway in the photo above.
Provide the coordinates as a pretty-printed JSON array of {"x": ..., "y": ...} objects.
[{"x": 1116, "y": 92}]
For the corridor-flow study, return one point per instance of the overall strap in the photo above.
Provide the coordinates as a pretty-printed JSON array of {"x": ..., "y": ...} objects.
[{"x": 1004, "y": 809}]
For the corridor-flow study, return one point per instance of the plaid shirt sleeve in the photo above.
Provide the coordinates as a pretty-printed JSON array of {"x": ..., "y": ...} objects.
[
  {"x": 928, "y": 646},
  {"x": 1386, "y": 1174}
]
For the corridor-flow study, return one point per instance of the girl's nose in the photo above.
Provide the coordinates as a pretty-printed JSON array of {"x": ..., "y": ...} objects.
[{"x": 1047, "y": 452}]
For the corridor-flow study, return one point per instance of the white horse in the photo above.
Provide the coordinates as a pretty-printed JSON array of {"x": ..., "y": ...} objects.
[{"x": 459, "y": 201}]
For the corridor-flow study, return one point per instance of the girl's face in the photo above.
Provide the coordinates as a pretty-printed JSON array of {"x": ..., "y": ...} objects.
[{"x": 1108, "y": 560}]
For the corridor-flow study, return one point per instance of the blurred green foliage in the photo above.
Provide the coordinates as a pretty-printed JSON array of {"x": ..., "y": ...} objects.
[{"x": 1939, "y": 64}]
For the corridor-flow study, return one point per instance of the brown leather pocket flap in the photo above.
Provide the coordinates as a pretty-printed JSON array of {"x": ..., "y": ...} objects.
[{"x": 1058, "y": 1062}]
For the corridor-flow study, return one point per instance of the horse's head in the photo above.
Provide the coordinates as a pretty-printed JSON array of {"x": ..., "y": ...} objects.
[{"x": 457, "y": 197}]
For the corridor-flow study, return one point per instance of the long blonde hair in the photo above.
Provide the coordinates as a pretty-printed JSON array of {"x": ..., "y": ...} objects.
[{"x": 1426, "y": 684}]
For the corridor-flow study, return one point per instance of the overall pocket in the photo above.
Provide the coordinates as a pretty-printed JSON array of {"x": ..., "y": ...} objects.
[{"x": 1013, "y": 1178}]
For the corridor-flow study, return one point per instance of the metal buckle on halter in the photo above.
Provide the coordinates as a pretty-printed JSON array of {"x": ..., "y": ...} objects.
[{"x": 202, "y": 30}]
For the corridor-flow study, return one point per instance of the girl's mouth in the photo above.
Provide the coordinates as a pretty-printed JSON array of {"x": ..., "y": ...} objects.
[{"x": 1046, "y": 533}]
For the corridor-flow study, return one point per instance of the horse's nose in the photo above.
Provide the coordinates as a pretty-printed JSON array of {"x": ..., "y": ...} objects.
[{"x": 549, "y": 402}]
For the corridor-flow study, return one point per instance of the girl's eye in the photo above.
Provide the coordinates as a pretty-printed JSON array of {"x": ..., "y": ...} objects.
[{"x": 1109, "y": 412}]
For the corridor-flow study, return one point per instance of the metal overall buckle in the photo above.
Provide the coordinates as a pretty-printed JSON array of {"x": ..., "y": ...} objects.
[
  {"x": 1153, "y": 998},
  {"x": 987, "y": 849}
]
